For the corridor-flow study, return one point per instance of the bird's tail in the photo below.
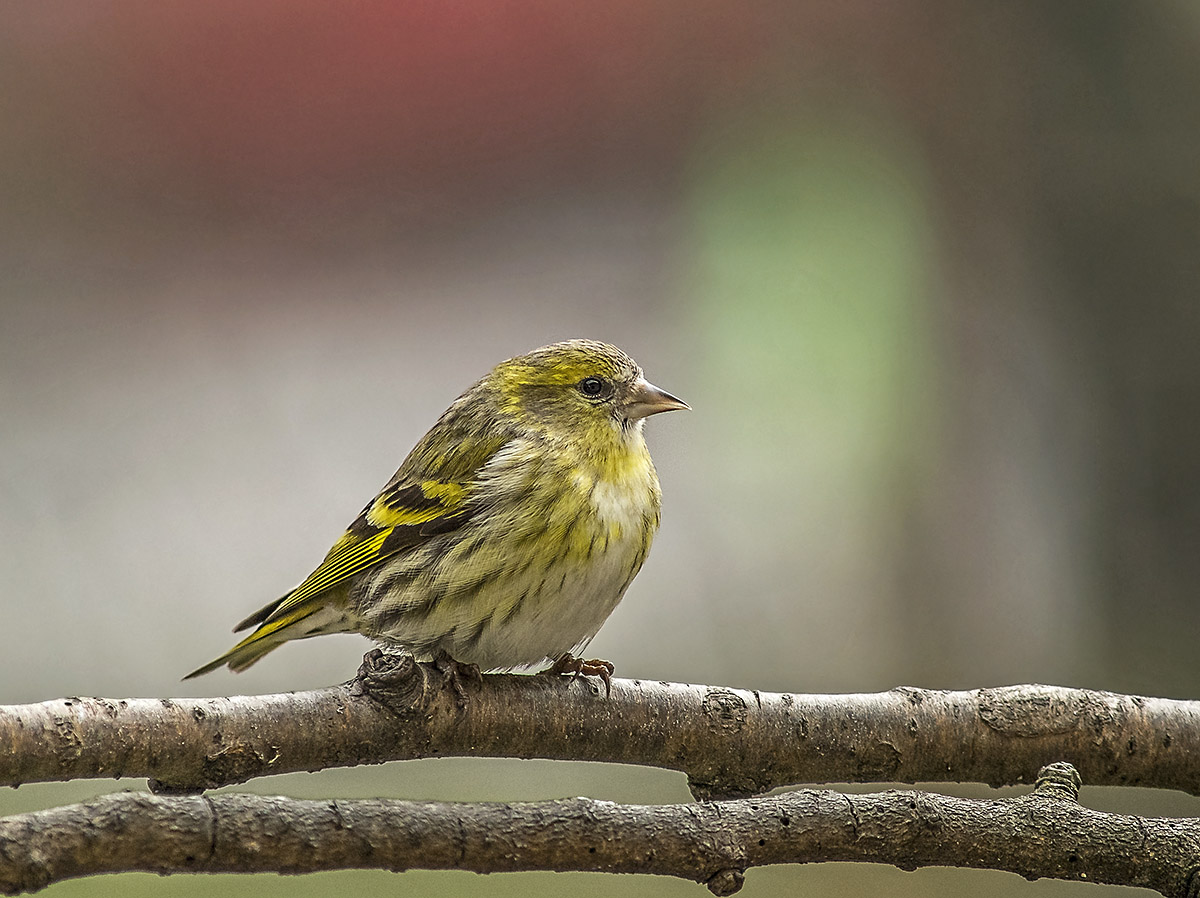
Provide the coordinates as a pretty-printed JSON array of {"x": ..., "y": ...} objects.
[{"x": 310, "y": 617}]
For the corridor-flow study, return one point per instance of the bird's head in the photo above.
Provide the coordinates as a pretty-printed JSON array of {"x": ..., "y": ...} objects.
[{"x": 579, "y": 385}]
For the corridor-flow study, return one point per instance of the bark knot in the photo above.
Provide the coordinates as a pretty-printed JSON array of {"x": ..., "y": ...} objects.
[
  {"x": 1059, "y": 780},
  {"x": 1030, "y": 710},
  {"x": 724, "y": 710},
  {"x": 726, "y": 882},
  {"x": 395, "y": 681}
]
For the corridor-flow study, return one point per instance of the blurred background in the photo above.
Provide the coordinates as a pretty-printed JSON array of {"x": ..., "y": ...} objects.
[{"x": 928, "y": 273}]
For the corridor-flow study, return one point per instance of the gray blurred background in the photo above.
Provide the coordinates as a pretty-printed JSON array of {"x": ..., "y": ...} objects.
[{"x": 927, "y": 272}]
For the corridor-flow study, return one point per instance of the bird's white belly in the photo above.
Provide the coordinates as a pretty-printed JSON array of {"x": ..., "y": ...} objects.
[{"x": 559, "y": 614}]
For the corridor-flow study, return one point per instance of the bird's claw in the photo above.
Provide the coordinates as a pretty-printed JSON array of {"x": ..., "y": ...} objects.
[
  {"x": 455, "y": 672},
  {"x": 569, "y": 664}
]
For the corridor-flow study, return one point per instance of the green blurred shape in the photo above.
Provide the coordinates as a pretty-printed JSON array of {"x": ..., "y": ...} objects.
[{"x": 811, "y": 245}]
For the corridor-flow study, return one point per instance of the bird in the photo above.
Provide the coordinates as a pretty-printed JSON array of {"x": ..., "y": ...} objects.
[{"x": 508, "y": 534}]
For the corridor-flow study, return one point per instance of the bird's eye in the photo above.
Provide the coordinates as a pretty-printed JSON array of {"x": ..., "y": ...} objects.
[{"x": 593, "y": 387}]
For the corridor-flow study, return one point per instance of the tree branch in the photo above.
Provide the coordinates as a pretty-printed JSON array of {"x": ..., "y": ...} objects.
[
  {"x": 1042, "y": 834},
  {"x": 730, "y": 742}
]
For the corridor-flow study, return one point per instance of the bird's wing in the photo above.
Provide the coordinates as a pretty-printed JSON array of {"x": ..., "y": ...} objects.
[
  {"x": 399, "y": 518},
  {"x": 408, "y": 511},
  {"x": 432, "y": 493}
]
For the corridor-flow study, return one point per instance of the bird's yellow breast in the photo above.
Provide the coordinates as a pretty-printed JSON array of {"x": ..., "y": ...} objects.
[{"x": 623, "y": 501}]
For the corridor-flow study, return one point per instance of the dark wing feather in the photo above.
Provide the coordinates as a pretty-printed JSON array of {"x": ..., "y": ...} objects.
[
  {"x": 411, "y": 508},
  {"x": 429, "y": 495}
]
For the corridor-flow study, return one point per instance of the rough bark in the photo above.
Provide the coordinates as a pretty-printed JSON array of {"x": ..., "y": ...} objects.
[
  {"x": 730, "y": 742},
  {"x": 1043, "y": 834}
]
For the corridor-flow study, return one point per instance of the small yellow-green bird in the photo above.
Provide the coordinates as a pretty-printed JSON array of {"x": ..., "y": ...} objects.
[{"x": 510, "y": 532}]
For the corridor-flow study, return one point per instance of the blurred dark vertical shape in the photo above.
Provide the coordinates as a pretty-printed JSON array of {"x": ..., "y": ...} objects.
[{"x": 1064, "y": 138}]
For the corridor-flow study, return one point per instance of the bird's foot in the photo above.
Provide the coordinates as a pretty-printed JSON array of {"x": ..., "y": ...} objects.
[
  {"x": 455, "y": 672},
  {"x": 569, "y": 664}
]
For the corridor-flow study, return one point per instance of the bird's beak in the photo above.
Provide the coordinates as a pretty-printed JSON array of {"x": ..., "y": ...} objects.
[{"x": 648, "y": 399}]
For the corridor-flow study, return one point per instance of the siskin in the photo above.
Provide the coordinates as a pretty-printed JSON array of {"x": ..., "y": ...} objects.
[{"x": 510, "y": 532}]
